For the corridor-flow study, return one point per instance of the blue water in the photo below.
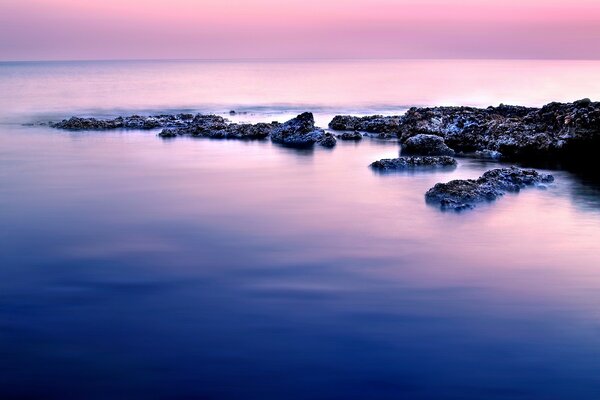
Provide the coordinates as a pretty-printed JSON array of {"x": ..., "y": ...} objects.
[{"x": 132, "y": 267}]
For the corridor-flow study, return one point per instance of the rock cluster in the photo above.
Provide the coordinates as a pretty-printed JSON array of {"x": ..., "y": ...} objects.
[
  {"x": 383, "y": 127},
  {"x": 403, "y": 163},
  {"x": 301, "y": 132},
  {"x": 557, "y": 130},
  {"x": 464, "y": 194},
  {"x": 297, "y": 132},
  {"x": 216, "y": 127},
  {"x": 131, "y": 122}
]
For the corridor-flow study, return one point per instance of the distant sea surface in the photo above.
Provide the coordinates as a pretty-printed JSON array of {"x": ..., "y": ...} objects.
[{"x": 134, "y": 267}]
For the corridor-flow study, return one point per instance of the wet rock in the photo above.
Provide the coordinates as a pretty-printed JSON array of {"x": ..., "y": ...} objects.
[
  {"x": 463, "y": 194},
  {"x": 557, "y": 130},
  {"x": 216, "y": 127},
  {"x": 356, "y": 136},
  {"x": 384, "y": 126},
  {"x": 301, "y": 132},
  {"x": 488, "y": 154},
  {"x": 426, "y": 145},
  {"x": 402, "y": 163},
  {"x": 130, "y": 122}
]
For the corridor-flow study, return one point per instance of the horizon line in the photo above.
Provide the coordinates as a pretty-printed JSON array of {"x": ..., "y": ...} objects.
[{"x": 266, "y": 59}]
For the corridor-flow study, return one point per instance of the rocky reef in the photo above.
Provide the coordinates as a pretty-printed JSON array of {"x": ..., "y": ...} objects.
[
  {"x": 464, "y": 194},
  {"x": 297, "y": 132},
  {"x": 216, "y": 127},
  {"x": 403, "y": 163},
  {"x": 557, "y": 130},
  {"x": 382, "y": 127},
  {"x": 130, "y": 122},
  {"x": 301, "y": 132},
  {"x": 426, "y": 145}
]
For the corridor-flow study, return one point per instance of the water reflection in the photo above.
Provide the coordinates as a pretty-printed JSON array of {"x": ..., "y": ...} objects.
[{"x": 200, "y": 268}]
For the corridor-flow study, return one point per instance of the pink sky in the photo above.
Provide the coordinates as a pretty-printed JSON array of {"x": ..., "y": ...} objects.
[{"x": 113, "y": 29}]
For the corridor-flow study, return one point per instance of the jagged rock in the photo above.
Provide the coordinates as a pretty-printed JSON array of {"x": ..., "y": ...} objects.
[
  {"x": 301, "y": 132},
  {"x": 426, "y": 145},
  {"x": 389, "y": 164},
  {"x": 384, "y": 127},
  {"x": 356, "y": 136},
  {"x": 328, "y": 140},
  {"x": 464, "y": 194},
  {"x": 216, "y": 127},
  {"x": 557, "y": 130},
  {"x": 130, "y": 122}
]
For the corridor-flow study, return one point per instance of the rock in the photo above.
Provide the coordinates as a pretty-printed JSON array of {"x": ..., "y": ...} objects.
[
  {"x": 328, "y": 140},
  {"x": 216, "y": 127},
  {"x": 488, "y": 154},
  {"x": 301, "y": 132},
  {"x": 426, "y": 145},
  {"x": 402, "y": 163},
  {"x": 356, "y": 136},
  {"x": 384, "y": 127},
  {"x": 463, "y": 194},
  {"x": 555, "y": 131},
  {"x": 130, "y": 122}
]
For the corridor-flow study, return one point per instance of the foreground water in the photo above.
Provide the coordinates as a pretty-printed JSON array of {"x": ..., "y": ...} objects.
[{"x": 132, "y": 267}]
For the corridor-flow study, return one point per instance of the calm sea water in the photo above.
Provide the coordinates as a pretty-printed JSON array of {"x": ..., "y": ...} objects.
[{"x": 132, "y": 267}]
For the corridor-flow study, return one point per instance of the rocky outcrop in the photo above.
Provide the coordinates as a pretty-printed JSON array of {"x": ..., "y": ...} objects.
[
  {"x": 131, "y": 122},
  {"x": 216, "y": 127},
  {"x": 426, "y": 145},
  {"x": 301, "y": 132},
  {"x": 403, "y": 163},
  {"x": 466, "y": 193},
  {"x": 383, "y": 127},
  {"x": 356, "y": 136},
  {"x": 557, "y": 130}
]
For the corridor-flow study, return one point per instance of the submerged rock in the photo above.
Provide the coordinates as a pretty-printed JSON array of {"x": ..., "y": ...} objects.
[
  {"x": 464, "y": 194},
  {"x": 356, "y": 136},
  {"x": 426, "y": 145},
  {"x": 401, "y": 163},
  {"x": 384, "y": 127},
  {"x": 301, "y": 132}
]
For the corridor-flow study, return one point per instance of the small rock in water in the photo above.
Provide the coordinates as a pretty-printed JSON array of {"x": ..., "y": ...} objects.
[
  {"x": 401, "y": 163},
  {"x": 488, "y": 154},
  {"x": 426, "y": 145},
  {"x": 356, "y": 136},
  {"x": 301, "y": 132},
  {"x": 463, "y": 194}
]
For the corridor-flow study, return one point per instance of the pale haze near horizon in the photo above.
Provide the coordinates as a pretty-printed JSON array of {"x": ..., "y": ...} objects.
[{"x": 237, "y": 29}]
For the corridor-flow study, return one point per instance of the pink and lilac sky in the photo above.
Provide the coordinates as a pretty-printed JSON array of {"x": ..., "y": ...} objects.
[{"x": 239, "y": 29}]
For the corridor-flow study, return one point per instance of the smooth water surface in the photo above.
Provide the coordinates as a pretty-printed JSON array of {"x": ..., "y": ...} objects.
[{"x": 134, "y": 267}]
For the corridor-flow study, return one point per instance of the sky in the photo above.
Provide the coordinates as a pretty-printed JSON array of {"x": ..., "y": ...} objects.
[{"x": 258, "y": 29}]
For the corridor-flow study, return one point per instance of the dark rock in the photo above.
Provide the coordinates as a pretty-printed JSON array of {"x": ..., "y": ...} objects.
[
  {"x": 403, "y": 163},
  {"x": 328, "y": 140},
  {"x": 557, "y": 130},
  {"x": 426, "y": 145},
  {"x": 488, "y": 154},
  {"x": 385, "y": 127},
  {"x": 130, "y": 122},
  {"x": 301, "y": 132},
  {"x": 466, "y": 193},
  {"x": 356, "y": 136}
]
